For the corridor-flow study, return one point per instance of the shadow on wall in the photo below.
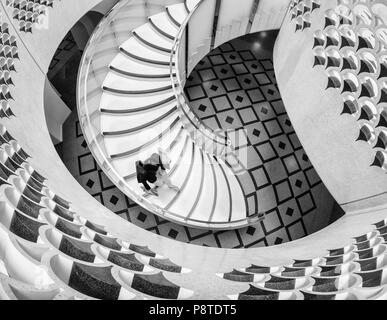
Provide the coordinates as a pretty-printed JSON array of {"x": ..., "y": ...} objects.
[{"x": 62, "y": 76}]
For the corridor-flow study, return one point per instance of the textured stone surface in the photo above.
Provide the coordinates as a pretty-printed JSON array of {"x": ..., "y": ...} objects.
[
  {"x": 95, "y": 282},
  {"x": 24, "y": 227},
  {"x": 156, "y": 285},
  {"x": 125, "y": 260},
  {"x": 165, "y": 264},
  {"x": 76, "y": 250}
]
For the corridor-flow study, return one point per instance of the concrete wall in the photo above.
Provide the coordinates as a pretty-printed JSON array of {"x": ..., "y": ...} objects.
[{"x": 328, "y": 138}]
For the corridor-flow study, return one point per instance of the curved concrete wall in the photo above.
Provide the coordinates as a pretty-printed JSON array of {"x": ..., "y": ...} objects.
[
  {"x": 29, "y": 128},
  {"x": 269, "y": 16}
]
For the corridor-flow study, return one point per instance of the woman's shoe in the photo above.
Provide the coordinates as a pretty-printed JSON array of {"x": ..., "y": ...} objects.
[{"x": 149, "y": 193}]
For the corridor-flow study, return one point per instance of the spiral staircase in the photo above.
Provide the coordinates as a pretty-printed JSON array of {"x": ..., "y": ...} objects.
[
  {"x": 140, "y": 113},
  {"x": 217, "y": 195}
]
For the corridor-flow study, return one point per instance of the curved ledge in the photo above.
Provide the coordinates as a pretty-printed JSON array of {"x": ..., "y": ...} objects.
[
  {"x": 140, "y": 75},
  {"x": 154, "y": 140},
  {"x": 137, "y": 91},
  {"x": 174, "y": 21},
  {"x": 133, "y": 56},
  {"x": 151, "y": 45},
  {"x": 146, "y": 125},
  {"x": 134, "y": 110},
  {"x": 163, "y": 33}
]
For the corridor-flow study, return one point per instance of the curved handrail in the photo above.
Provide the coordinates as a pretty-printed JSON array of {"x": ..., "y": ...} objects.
[{"x": 215, "y": 136}]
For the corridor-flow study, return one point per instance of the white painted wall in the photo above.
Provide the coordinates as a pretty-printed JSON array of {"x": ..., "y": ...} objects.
[{"x": 328, "y": 138}]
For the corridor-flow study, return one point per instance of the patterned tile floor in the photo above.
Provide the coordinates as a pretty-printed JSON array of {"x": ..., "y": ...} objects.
[{"x": 234, "y": 87}]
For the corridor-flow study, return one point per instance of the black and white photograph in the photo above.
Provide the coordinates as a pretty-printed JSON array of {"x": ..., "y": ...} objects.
[{"x": 186, "y": 155}]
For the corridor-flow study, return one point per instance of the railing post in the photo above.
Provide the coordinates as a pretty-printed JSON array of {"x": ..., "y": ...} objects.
[{"x": 215, "y": 23}]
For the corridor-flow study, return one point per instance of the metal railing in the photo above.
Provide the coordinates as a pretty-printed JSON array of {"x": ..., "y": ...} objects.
[{"x": 214, "y": 142}]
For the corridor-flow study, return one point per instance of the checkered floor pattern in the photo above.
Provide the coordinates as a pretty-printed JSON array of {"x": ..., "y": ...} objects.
[
  {"x": 230, "y": 88},
  {"x": 233, "y": 89}
]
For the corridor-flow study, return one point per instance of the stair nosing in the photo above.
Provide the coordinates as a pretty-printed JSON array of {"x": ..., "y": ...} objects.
[
  {"x": 150, "y": 61},
  {"x": 136, "y": 92},
  {"x": 141, "y": 75},
  {"x": 140, "y": 109},
  {"x": 160, "y": 31},
  {"x": 150, "y": 44},
  {"x": 175, "y": 22},
  {"x": 136, "y": 150},
  {"x": 141, "y": 127}
]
